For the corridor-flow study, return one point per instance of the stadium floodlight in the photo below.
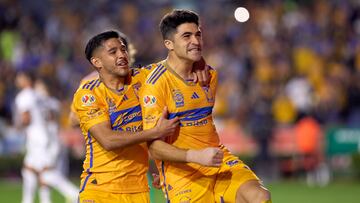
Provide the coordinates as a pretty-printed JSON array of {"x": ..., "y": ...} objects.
[{"x": 241, "y": 14}]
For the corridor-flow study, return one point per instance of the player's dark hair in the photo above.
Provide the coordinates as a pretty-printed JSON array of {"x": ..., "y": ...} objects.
[
  {"x": 125, "y": 40},
  {"x": 172, "y": 20},
  {"x": 96, "y": 41}
]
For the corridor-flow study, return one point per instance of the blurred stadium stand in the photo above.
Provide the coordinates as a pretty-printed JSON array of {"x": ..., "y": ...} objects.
[{"x": 287, "y": 76}]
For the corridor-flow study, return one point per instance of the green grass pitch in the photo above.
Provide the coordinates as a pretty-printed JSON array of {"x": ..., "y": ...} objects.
[{"x": 282, "y": 192}]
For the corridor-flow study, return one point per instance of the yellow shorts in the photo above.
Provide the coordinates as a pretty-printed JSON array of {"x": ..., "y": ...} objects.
[
  {"x": 93, "y": 196},
  {"x": 221, "y": 187},
  {"x": 233, "y": 173}
]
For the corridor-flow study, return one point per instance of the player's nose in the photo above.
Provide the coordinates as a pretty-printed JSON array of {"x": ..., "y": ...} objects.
[{"x": 195, "y": 40}]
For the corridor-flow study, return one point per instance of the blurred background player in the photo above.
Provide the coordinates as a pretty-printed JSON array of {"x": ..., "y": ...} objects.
[
  {"x": 169, "y": 85},
  {"x": 42, "y": 144},
  {"x": 52, "y": 117},
  {"x": 58, "y": 153},
  {"x": 30, "y": 117}
]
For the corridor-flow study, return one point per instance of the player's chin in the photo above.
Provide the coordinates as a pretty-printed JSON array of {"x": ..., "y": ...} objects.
[
  {"x": 195, "y": 57},
  {"x": 123, "y": 72}
]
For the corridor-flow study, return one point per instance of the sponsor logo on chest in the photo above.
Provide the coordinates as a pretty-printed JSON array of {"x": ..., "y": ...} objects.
[{"x": 126, "y": 117}]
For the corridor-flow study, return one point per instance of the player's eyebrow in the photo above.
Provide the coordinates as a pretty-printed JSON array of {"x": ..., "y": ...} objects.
[
  {"x": 122, "y": 46},
  {"x": 186, "y": 33},
  {"x": 190, "y": 33},
  {"x": 112, "y": 49}
]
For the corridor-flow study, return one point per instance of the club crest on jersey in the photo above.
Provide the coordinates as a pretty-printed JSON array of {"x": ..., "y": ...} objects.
[
  {"x": 209, "y": 96},
  {"x": 88, "y": 99},
  {"x": 178, "y": 98},
  {"x": 149, "y": 100}
]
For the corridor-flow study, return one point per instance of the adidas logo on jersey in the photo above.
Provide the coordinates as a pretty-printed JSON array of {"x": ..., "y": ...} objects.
[{"x": 195, "y": 96}]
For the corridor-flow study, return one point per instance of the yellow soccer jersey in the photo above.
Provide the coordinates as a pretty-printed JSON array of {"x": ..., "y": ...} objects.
[
  {"x": 119, "y": 171},
  {"x": 192, "y": 103}
]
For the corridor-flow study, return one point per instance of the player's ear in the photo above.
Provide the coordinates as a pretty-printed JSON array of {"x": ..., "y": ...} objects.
[
  {"x": 169, "y": 44},
  {"x": 96, "y": 62}
]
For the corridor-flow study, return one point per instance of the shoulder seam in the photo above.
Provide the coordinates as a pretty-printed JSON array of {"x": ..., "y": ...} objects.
[
  {"x": 91, "y": 84},
  {"x": 135, "y": 72},
  {"x": 88, "y": 84},
  {"x": 155, "y": 75},
  {"x": 96, "y": 84}
]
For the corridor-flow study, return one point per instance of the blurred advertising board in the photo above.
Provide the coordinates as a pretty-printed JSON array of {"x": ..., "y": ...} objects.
[{"x": 342, "y": 141}]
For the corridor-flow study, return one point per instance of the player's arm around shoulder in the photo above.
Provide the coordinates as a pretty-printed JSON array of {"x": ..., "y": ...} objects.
[
  {"x": 111, "y": 140},
  {"x": 92, "y": 111}
]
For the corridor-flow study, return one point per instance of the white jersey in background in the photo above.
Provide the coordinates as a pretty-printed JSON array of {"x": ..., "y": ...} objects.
[
  {"x": 51, "y": 111},
  {"x": 42, "y": 148},
  {"x": 37, "y": 136}
]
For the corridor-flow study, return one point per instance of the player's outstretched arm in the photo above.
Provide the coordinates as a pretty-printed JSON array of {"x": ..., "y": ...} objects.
[
  {"x": 111, "y": 140},
  {"x": 210, "y": 156}
]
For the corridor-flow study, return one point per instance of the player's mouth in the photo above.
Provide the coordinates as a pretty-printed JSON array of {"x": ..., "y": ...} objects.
[
  {"x": 122, "y": 63},
  {"x": 194, "y": 50}
]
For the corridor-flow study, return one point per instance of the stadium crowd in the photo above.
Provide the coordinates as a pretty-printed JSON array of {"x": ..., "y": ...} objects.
[{"x": 290, "y": 60}]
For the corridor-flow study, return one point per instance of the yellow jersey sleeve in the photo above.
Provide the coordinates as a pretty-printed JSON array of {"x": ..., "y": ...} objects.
[
  {"x": 93, "y": 75},
  {"x": 89, "y": 108}
]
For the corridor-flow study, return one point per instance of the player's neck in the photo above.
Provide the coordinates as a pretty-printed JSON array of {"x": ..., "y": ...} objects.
[
  {"x": 112, "y": 82},
  {"x": 182, "y": 67}
]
